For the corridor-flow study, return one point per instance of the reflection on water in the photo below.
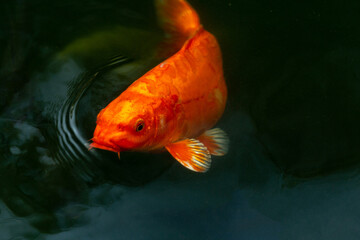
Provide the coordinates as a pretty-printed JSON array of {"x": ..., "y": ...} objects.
[{"x": 292, "y": 118}]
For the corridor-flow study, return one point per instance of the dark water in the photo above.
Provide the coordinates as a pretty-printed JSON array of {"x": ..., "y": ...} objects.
[{"x": 293, "y": 116}]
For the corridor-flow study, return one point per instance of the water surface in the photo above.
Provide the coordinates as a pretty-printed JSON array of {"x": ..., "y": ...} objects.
[{"x": 292, "y": 117}]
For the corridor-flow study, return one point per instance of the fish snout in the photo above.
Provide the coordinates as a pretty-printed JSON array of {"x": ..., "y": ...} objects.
[
  {"x": 101, "y": 144},
  {"x": 103, "y": 140}
]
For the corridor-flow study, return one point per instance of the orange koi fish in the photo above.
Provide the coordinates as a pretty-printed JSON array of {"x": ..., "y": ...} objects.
[{"x": 174, "y": 105}]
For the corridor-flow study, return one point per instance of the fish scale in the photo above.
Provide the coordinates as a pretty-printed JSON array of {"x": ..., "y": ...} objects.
[{"x": 177, "y": 101}]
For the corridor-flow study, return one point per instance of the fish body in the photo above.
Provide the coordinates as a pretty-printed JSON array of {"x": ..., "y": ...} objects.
[{"x": 174, "y": 105}]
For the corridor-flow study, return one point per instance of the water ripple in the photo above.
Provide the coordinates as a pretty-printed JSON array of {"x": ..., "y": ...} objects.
[{"x": 74, "y": 124}]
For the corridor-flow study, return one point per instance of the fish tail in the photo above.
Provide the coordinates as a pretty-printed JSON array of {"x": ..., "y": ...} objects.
[{"x": 178, "y": 20}]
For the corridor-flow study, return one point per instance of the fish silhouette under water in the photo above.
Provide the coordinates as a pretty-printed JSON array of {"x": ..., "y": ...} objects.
[{"x": 174, "y": 105}]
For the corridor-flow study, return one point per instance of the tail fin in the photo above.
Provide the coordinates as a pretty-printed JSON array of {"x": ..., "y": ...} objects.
[{"x": 179, "y": 21}]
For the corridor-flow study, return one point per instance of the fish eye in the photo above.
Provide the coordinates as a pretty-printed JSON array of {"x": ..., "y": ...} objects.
[{"x": 140, "y": 125}]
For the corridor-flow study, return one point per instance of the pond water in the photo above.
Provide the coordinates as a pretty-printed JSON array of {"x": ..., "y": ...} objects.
[{"x": 292, "y": 117}]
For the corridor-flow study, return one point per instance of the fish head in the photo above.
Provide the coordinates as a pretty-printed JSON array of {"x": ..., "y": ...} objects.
[{"x": 124, "y": 125}]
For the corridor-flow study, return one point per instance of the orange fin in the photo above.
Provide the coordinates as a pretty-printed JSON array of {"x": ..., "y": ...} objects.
[
  {"x": 179, "y": 22},
  {"x": 191, "y": 153},
  {"x": 216, "y": 141}
]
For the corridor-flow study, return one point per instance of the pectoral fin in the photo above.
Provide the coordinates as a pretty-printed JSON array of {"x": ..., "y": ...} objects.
[
  {"x": 191, "y": 153},
  {"x": 216, "y": 141}
]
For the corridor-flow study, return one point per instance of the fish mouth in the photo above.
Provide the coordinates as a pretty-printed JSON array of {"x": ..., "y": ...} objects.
[{"x": 104, "y": 147}]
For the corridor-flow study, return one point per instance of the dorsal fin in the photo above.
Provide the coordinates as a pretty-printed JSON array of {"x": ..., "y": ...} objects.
[{"x": 179, "y": 22}]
